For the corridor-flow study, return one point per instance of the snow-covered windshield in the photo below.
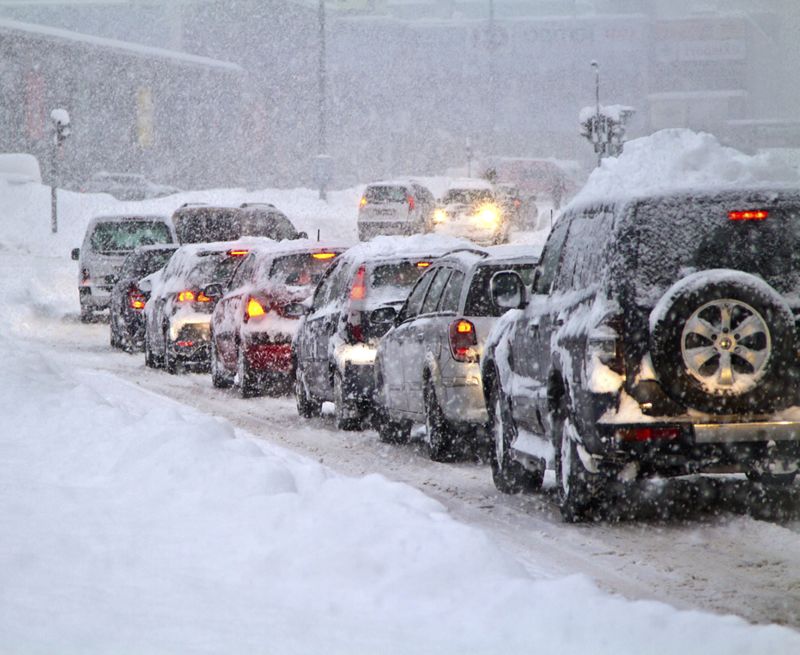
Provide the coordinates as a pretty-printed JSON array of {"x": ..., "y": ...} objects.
[
  {"x": 301, "y": 269},
  {"x": 385, "y": 194},
  {"x": 116, "y": 236}
]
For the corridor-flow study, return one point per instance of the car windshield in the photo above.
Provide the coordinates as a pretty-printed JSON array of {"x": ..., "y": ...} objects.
[
  {"x": 676, "y": 238},
  {"x": 116, "y": 236},
  {"x": 467, "y": 196},
  {"x": 141, "y": 264},
  {"x": 386, "y": 194},
  {"x": 299, "y": 270}
]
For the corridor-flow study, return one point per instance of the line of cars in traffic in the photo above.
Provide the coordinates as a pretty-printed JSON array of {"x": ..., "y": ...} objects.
[{"x": 657, "y": 335}]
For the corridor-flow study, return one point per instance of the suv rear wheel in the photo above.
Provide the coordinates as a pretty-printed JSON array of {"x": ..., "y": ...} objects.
[
  {"x": 579, "y": 490},
  {"x": 307, "y": 407},
  {"x": 343, "y": 409},
  {"x": 220, "y": 378},
  {"x": 509, "y": 476},
  {"x": 440, "y": 433},
  {"x": 719, "y": 340}
]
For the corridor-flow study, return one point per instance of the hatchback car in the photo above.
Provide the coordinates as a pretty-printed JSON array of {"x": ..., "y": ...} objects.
[
  {"x": 334, "y": 348},
  {"x": 202, "y": 223},
  {"x": 660, "y": 339},
  {"x": 470, "y": 209},
  {"x": 126, "y": 313},
  {"x": 108, "y": 241},
  {"x": 251, "y": 335},
  {"x": 427, "y": 367},
  {"x": 178, "y": 313},
  {"x": 400, "y": 207}
]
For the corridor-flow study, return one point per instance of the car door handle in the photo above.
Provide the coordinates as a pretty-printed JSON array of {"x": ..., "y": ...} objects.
[{"x": 419, "y": 336}]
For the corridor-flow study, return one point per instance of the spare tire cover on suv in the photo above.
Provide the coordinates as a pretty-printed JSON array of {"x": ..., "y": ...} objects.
[{"x": 719, "y": 340}]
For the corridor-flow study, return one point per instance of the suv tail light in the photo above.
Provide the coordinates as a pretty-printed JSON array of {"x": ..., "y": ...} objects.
[
  {"x": 463, "y": 341},
  {"x": 190, "y": 296},
  {"x": 254, "y": 308},
  {"x": 363, "y": 202},
  {"x": 136, "y": 299},
  {"x": 85, "y": 277},
  {"x": 410, "y": 204},
  {"x": 606, "y": 341},
  {"x": 748, "y": 215}
]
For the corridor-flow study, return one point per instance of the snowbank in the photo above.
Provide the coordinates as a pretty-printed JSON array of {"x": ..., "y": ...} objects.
[
  {"x": 137, "y": 525},
  {"x": 680, "y": 159}
]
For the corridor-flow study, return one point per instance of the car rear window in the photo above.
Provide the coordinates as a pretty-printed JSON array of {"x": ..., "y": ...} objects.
[
  {"x": 205, "y": 226},
  {"x": 386, "y": 194},
  {"x": 119, "y": 236},
  {"x": 467, "y": 196},
  {"x": 399, "y": 274},
  {"x": 299, "y": 270},
  {"x": 144, "y": 263},
  {"x": 267, "y": 224}
]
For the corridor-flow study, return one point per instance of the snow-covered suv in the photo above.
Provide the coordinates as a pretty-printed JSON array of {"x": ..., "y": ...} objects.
[{"x": 660, "y": 338}]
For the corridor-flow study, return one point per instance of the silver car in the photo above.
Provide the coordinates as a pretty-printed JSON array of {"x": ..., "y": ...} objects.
[
  {"x": 108, "y": 241},
  {"x": 427, "y": 367},
  {"x": 395, "y": 208}
]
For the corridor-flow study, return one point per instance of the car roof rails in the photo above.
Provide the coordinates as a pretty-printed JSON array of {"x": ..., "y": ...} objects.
[
  {"x": 245, "y": 205},
  {"x": 194, "y": 204},
  {"x": 474, "y": 251}
]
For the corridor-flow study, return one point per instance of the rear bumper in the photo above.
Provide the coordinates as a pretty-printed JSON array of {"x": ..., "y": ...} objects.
[{"x": 269, "y": 357}]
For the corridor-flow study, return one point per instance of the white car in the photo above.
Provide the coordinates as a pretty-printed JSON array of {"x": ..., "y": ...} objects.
[{"x": 470, "y": 209}]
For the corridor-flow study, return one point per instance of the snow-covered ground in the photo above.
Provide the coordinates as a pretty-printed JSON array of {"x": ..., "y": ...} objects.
[{"x": 135, "y": 524}]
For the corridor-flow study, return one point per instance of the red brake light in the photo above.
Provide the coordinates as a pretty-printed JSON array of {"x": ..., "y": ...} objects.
[
  {"x": 185, "y": 296},
  {"x": 462, "y": 339},
  {"x": 423, "y": 264},
  {"x": 201, "y": 297},
  {"x": 85, "y": 276},
  {"x": 748, "y": 215},
  {"x": 254, "y": 308},
  {"x": 136, "y": 298},
  {"x": 516, "y": 203},
  {"x": 648, "y": 434},
  {"x": 237, "y": 253},
  {"x": 357, "y": 292},
  {"x": 324, "y": 255},
  {"x": 363, "y": 201},
  {"x": 410, "y": 204}
]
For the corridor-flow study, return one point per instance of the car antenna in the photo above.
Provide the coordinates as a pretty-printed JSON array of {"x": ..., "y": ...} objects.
[{"x": 317, "y": 234}]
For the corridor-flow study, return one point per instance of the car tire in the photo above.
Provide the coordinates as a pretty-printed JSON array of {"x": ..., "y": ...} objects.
[
  {"x": 441, "y": 435},
  {"x": 391, "y": 431},
  {"x": 87, "y": 315},
  {"x": 150, "y": 359},
  {"x": 249, "y": 382},
  {"x": 579, "y": 491},
  {"x": 342, "y": 407},
  {"x": 509, "y": 476},
  {"x": 307, "y": 407},
  {"x": 170, "y": 359},
  {"x": 699, "y": 317},
  {"x": 220, "y": 378},
  {"x": 114, "y": 339}
]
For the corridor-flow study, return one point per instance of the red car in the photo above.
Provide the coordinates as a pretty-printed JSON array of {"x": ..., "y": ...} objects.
[{"x": 251, "y": 336}]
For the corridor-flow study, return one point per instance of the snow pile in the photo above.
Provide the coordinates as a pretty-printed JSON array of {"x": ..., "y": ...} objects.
[
  {"x": 136, "y": 525},
  {"x": 680, "y": 159}
]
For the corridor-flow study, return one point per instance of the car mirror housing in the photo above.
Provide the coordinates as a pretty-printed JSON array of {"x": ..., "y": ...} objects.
[
  {"x": 145, "y": 284},
  {"x": 383, "y": 315},
  {"x": 213, "y": 291},
  {"x": 302, "y": 235},
  {"x": 295, "y": 309},
  {"x": 76, "y": 254},
  {"x": 508, "y": 290}
]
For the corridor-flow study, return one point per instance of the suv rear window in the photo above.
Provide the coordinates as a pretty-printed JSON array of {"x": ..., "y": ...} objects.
[
  {"x": 145, "y": 263},
  {"x": 467, "y": 196},
  {"x": 386, "y": 194},
  {"x": 675, "y": 237},
  {"x": 400, "y": 274},
  {"x": 118, "y": 236}
]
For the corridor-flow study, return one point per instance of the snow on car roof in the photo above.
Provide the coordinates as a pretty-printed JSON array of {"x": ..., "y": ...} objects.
[
  {"x": 679, "y": 159},
  {"x": 469, "y": 183},
  {"x": 298, "y": 245},
  {"x": 421, "y": 245}
]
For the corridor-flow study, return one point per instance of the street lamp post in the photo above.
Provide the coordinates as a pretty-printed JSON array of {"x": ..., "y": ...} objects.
[
  {"x": 61, "y": 130},
  {"x": 321, "y": 174}
]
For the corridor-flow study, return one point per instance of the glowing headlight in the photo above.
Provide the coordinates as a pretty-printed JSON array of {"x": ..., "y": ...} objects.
[
  {"x": 439, "y": 216},
  {"x": 488, "y": 216}
]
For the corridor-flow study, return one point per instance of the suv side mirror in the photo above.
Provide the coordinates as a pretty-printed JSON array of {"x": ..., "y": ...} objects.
[
  {"x": 76, "y": 254},
  {"x": 302, "y": 235},
  {"x": 213, "y": 291},
  {"x": 508, "y": 290},
  {"x": 383, "y": 316},
  {"x": 145, "y": 284},
  {"x": 295, "y": 309}
]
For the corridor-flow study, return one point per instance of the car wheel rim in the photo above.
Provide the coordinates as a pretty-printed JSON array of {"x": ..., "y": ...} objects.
[{"x": 726, "y": 346}]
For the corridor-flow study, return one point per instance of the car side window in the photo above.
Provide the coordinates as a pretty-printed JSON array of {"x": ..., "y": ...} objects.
[
  {"x": 585, "y": 249},
  {"x": 435, "y": 291},
  {"x": 552, "y": 255},
  {"x": 452, "y": 293},
  {"x": 322, "y": 293},
  {"x": 415, "y": 298},
  {"x": 244, "y": 273}
]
